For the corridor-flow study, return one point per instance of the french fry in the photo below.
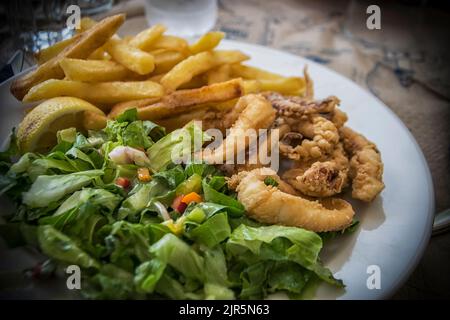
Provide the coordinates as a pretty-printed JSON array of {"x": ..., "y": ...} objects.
[
  {"x": 248, "y": 72},
  {"x": 219, "y": 74},
  {"x": 46, "y": 54},
  {"x": 132, "y": 58},
  {"x": 86, "y": 23},
  {"x": 94, "y": 70},
  {"x": 207, "y": 42},
  {"x": 88, "y": 42},
  {"x": 185, "y": 100},
  {"x": 145, "y": 39},
  {"x": 157, "y": 78},
  {"x": 195, "y": 83},
  {"x": 185, "y": 70},
  {"x": 99, "y": 54},
  {"x": 199, "y": 112},
  {"x": 103, "y": 93},
  {"x": 181, "y": 101},
  {"x": 171, "y": 43},
  {"x": 290, "y": 85},
  {"x": 251, "y": 86},
  {"x": 229, "y": 56},
  {"x": 309, "y": 84},
  {"x": 166, "y": 60}
]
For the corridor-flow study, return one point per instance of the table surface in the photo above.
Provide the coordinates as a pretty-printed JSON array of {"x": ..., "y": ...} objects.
[{"x": 405, "y": 64}]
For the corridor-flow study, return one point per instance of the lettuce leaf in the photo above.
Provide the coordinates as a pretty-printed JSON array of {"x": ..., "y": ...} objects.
[
  {"x": 60, "y": 247},
  {"x": 213, "y": 231},
  {"x": 148, "y": 274},
  {"x": 127, "y": 244},
  {"x": 231, "y": 205},
  {"x": 261, "y": 249},
  {"x": 180, "y": 256},
  {"x": 47, "y": 189},
  {"x": 176, "y": 147},
  {"x": 141, "y": 198},
  {"x": 111, "y": 282}
]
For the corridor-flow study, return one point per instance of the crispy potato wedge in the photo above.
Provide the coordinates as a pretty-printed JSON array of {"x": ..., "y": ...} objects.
[
  {"x": 229, "y": 56},
  {"x": 219, "y": 74},
  {"x": 88, "y": 42},
  {"x": 130, "y": 57},
  {"x": 187, "y": 69},
  {"x": 103, "y": 93},
  {"x": 248, "y": 72},
  {"x": 46, "y": 54},
  {"x": 181, "y": 101},
  {"x": 145, "y": 39},
  {"x": 207, "y": 42},
  {"x": 94, "y": 70}
]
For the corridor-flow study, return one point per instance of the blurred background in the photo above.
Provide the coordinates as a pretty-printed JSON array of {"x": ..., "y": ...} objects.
[{"x": 405, "y": 64}]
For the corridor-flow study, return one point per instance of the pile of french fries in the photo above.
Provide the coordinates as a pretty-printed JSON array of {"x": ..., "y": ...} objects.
[{"x": 161, "y": 75}]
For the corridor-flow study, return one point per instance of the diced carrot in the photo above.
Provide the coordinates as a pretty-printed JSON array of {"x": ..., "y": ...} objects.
[
  {"x": 144, "y": 175},
  {"x": 192, "y": 197}
]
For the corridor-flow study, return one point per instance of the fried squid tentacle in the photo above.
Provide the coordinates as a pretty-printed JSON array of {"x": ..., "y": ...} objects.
[
  {"x": 321, "y": 178},
  {"x": 296, "y": 107},
  {"x": 269, "y": 204},
  {"x": 322, "y": 135},
  {"x": 366, "y": 167}
]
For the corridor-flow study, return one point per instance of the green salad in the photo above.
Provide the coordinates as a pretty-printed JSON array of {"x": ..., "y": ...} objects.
[{"x": 140, "y": 226}]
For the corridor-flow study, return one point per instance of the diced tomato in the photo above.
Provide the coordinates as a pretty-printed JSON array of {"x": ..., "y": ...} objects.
[
  {"x": 123, "y": 182},
  {"x": 178, "y": 205}
]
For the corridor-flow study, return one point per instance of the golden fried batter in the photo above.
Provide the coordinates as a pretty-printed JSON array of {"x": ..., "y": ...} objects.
[
  {"x": 366, "y": 167},
  {"x": 269, "y": 204}
]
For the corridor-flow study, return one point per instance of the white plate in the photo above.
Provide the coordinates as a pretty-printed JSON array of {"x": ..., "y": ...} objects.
[{"x": 395, "y": 228}]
